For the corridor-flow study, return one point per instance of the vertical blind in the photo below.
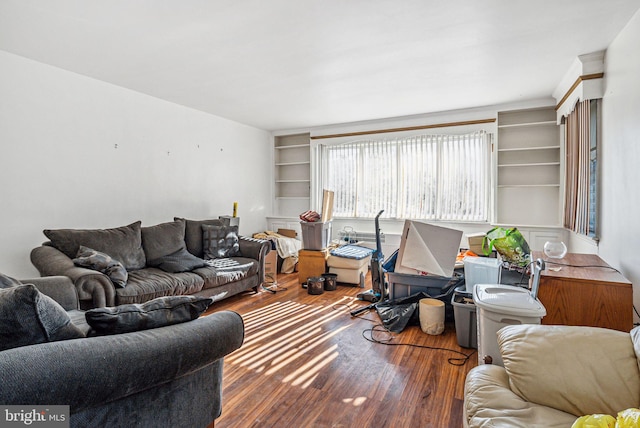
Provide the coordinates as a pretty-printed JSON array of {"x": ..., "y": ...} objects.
[{"x": 432, "y": 177}]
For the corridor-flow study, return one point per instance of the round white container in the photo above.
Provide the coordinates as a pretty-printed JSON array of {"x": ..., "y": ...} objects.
[{"x": 431, "y": 313}]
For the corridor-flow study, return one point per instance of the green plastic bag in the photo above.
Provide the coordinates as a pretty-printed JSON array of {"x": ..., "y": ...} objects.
[{"x": 509, "y": 243}]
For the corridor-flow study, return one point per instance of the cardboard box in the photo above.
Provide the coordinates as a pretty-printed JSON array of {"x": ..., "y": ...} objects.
[
  {"x": 327, "y": 206},
  {"x": 475, "y": 242},
  {"x": 289, "y": 233},
  {"x": 271, "y": 268},
  {"x": 311, "y": 263}
]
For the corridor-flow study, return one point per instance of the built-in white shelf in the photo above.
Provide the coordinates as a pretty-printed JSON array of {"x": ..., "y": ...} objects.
[
  {"x": 293, "y": 197},
  {"x": 528, "y": 164},
  {"x": 292, "y": 146},
  {"x": 529, "y": 148},
  {"x": 528, "y": 185},
  {"x": 293, "y": 163},
  {"x": 528, "y": 168},
  {"x": 292, "y": 174},
  {"x": 525, "y": 124}
]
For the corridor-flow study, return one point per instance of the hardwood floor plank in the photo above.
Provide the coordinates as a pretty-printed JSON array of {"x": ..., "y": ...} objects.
[{"x": 305, "y": 363}]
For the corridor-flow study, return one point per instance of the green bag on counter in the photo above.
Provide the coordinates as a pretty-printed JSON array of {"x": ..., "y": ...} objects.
[{"x": 509, "y": 243}]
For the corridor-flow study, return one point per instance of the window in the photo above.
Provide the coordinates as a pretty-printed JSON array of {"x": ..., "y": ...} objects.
[
  {"x": 581, "y": 195},
  {"x": 593, "y": 168},
  {"x": 430, "y": 177}
]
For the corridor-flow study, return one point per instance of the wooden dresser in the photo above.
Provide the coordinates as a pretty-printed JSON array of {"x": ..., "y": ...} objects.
[{"x": 583, "y": 295}]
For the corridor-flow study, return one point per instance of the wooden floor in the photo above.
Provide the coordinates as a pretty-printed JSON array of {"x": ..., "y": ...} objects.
[{"x": 305, "y": 363}]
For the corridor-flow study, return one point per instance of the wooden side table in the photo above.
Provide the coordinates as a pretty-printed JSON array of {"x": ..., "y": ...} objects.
[
  {"x": 311, "y": 263},
  {"x": 584, "y": 295}
]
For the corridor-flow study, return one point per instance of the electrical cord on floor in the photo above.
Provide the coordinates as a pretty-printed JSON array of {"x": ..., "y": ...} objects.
[
  {"x": 455, "y": 361},
  {"x": 337, "y": 306}
]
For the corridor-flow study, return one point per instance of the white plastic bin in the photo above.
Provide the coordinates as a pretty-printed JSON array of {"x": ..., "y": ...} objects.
[
  {"x": 481, "y": 270},
  {"x": 500, "y": 305}
]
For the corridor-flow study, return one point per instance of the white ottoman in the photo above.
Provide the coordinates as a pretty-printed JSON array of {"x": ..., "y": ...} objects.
[{"x": 350, "y": 271}]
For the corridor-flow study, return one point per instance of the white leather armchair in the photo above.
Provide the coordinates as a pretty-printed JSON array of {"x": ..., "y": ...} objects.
[{"x": 552, "y": 375}]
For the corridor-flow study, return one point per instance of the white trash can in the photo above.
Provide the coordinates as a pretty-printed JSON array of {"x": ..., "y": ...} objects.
[
  {"x": 431, "y": 314},
  {"x": 497, "y": 306}
]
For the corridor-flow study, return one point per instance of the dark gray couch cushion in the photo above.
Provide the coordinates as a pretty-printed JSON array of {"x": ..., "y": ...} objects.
[
  {"x": 95, "y": 260},
  {"x": 163, "y": 239},
  {"x": 122, "y": 243},
  {"x": 155, "y": 313},
  {"x": 220, "y": 241},
  {"x": 149, "y": 283},
  {"x": 180, "y": 261},
  {"x": 28, "y": 317},
  {"x": 193, "y": 234}
]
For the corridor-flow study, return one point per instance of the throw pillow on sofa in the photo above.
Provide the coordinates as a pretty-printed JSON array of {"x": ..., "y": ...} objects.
[
  {"x": 155, "y": 313},
  {"x": 180, "y": 261},
  {"x": 220, "y": 241},
  {"x": 163, "y": 239},
  {"x": 193, "y": 234},
  {"x": 95, "y": 260},
  {"x": 28, "y": 317},
  {"x": 122, "y": 243}
]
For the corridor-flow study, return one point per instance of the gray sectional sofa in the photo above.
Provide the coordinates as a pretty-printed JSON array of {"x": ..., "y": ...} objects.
[
  {"x": 169, "y": 376},
  {"x": 135, "y": 264}
]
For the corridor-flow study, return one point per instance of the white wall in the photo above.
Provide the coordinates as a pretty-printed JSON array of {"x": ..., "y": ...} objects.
[
  {"x": 81, "y": 153},
  {"x": 620, "y": 156}
]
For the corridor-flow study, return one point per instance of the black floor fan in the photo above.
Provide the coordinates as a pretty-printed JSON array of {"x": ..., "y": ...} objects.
[{"x": 379, "y": 287}]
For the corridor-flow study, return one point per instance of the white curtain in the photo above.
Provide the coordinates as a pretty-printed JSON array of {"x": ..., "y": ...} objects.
[{"x": 431, "y": 177}]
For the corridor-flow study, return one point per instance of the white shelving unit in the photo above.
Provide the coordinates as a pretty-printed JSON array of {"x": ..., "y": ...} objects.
[
  {"x": 529, "y": 168},
  {"x": 292, "y": 174}
]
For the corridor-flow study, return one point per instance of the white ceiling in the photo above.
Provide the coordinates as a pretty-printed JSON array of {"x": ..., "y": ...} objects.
[{"x": 291, "y": 64}]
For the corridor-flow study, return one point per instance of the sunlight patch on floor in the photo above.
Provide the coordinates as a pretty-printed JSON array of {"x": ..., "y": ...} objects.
[
  {"x": 358, "y": 401},
  {"x": 312, "y": 367},
  {"x": 282, "y": 333}
]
